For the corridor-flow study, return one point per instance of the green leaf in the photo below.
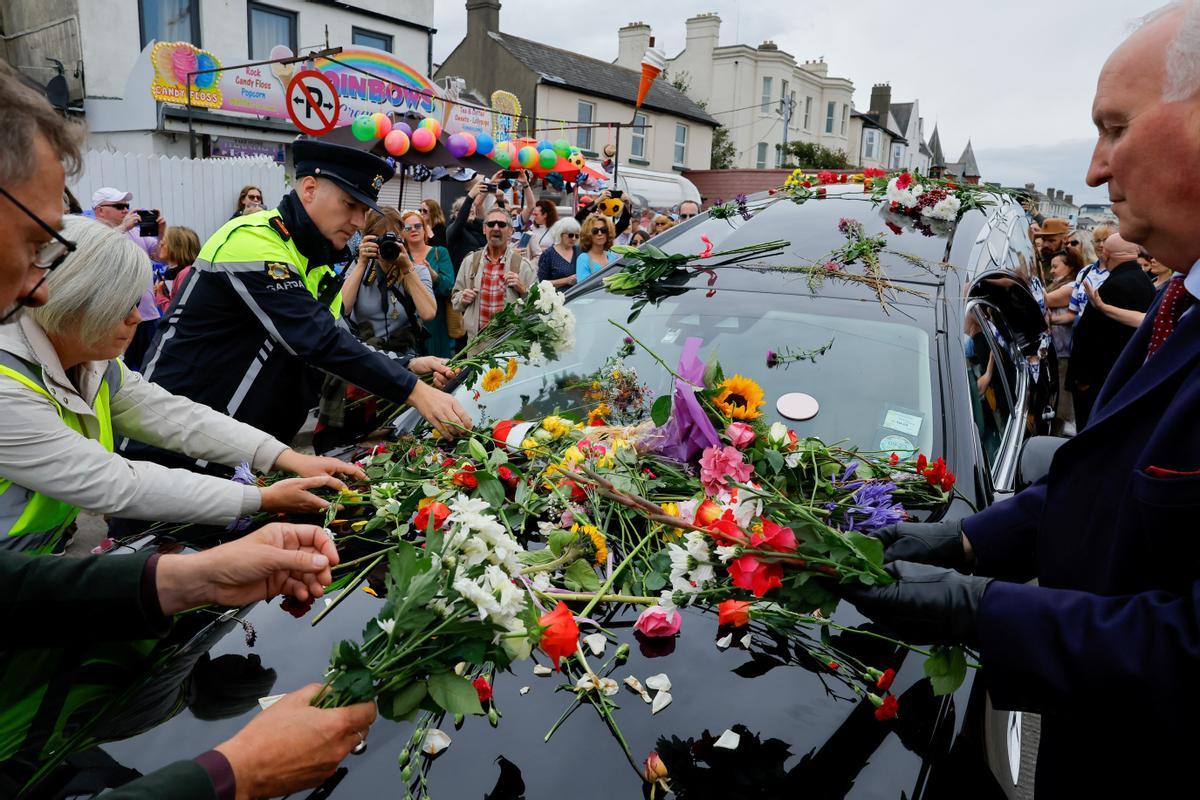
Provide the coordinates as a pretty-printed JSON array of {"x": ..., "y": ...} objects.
[
  {"x": 580, "y": 577},
  {"x": 534, "y": 557},
  {"x": 478, "y": 451},
  {"x": 399, "y": 705},
  {"x": 870, "y": 547},
  {"x": 946, "y": 668},
  {"x": 497, "y": 458},
  {"x": 774, "y": 458},
  {"x": 660, "y": 412},
  {"x": 374, "y": 524},
  {"x": 356, "y": 683},
  {"x": 559, "y": 540},
  {"x": 655, "y": 582},
  {"x": 454, "y": 694},
  {"x": 491, "y": 489}
]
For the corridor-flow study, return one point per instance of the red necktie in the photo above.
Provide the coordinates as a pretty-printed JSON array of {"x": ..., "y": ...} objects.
[{"x": 1175, "y": 301}]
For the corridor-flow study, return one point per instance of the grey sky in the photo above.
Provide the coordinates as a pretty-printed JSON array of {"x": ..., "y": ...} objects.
[{"x": 1015, "y": 77}]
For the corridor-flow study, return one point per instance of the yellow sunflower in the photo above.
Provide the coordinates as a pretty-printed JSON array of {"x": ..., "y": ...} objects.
[
  {"x": 493, "y": 379},
  {"x": 599, "y": 414},
  {"x": 597, "y": 539},
  {"x": 739, "y": 398},
  {"x": 511, "y": 372}
]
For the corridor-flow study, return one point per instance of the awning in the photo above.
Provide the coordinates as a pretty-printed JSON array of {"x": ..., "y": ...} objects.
[{"x": 650, "y": 189}]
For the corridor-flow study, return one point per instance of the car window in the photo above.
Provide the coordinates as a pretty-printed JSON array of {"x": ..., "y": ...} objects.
[
  {"x": 990, "y": 372},
  {"x": 874, "y": 384}
]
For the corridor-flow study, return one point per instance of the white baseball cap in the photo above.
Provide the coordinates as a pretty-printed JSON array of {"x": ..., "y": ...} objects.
[{"x": 107, "y": 194}]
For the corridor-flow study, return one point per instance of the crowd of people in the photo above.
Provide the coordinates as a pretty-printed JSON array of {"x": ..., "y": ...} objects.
[{"x": 1080, "y": 593}]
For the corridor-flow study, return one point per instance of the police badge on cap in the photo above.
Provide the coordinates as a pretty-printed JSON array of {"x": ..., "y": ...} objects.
[{"x": 358, "y": 172}]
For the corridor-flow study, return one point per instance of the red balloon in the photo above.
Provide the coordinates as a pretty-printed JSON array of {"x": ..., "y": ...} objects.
[{"x": 423, "y": 140}]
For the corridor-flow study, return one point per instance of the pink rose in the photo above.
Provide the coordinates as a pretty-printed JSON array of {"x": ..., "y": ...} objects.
[
  {"x": 740, "y": 435},
  {"x": 719, "y": 463},
  {"x": 655, "y": 621}
]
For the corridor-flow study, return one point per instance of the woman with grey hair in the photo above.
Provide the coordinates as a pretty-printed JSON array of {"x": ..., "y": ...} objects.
[
  {"x": 557, "y": 264},
  {"x": 67, "y": 399}
]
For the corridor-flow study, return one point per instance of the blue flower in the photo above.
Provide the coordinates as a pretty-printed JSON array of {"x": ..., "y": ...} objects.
[
  {"x": 243, "y": 474},
  {"x": 873, "y": 507}
]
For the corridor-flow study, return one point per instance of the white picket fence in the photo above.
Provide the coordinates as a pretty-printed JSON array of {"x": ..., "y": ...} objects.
[{"x": 198, "y": 193}]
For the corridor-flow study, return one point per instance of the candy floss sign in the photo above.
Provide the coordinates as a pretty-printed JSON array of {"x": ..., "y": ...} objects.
[{"x": 391, "y": 86}]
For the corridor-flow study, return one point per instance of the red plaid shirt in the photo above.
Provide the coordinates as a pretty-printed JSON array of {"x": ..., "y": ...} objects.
[{"x": 492, "y": 288}]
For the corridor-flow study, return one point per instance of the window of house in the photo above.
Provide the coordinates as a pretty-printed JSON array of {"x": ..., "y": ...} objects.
[
  {"x": 765, "y": 105},
  {"x": 897, "y": 155},
  {"x": 780, "y": 152},
  {"x": 169, "y": 21},
  {"x": 366, "y": 38},
  {"x": 680, "y": 144},
  {"x": 761, "y": 161},
  {"x": 807, "y": 112},
  {"x": 845, "y": 116},
  {"x": 637, "y": 147},
  {"x": 830, "y": 111},
  {"x": 270, "y": 26},
  {"x": 586, "y": 115},
  {"x": 871, "y": 144}
]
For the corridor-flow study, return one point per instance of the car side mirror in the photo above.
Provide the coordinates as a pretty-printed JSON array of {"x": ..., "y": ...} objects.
[{"x": 1036, "y": 455}]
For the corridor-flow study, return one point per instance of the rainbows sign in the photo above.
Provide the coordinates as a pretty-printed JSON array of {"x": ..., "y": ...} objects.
[{"x": 401, "y": 89}]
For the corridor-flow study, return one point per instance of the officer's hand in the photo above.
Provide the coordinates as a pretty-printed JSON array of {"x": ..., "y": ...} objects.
[
  {"x": 293, "y": 496},
  {"x": 276, "y": 559},
  {"x": 468, "y": 296},
  {"x": 307, "y": 466},
  {"x": 437, "y": 366},
  {"x": 293, "y": 745},
  {"x": 367, "y": 249},
  {"x": 937, "y": 543},
  {"x": 924, "y": 605},
  {"x": 441, "y": 410}
]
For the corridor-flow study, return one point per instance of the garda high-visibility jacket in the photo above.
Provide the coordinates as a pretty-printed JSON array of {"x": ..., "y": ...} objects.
[{"x": 257, "y": 318}]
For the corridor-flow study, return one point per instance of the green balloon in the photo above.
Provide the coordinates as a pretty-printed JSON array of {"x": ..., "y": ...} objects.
[
  {"x": 502, "y": 156},
  {"x": 562, "y": 147},
  {"x": 363, "y": 128},
  {"x": 548, "y": 158}
]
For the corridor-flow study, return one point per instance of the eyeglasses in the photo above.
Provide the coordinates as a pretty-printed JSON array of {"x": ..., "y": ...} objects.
[
  {"x": 685, "y": 216},
  {"x": 496, "y": 223},
  {"x": 120, "y": 206},
  {"x": 1073, "y": 243},
  {"x": 416, "y": 226},
  {"x": 571, "y": 235},
  {"x": 53, "y": 252},
  {"x": 599, "y": 232},
  {"x": 255, "y": 198},
  {"x": 425, "y": 212}
]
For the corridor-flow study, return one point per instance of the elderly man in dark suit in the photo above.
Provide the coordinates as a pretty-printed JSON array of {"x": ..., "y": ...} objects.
[
  {"x": 1099, "y": 339},
  {"x": 1106, "y": 644}
]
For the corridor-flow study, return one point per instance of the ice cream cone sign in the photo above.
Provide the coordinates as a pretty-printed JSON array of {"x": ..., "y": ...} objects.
[{"x": 653, "y": 63}]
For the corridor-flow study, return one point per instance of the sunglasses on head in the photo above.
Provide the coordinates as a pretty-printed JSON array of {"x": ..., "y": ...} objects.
[{"x": 496, "y": 223}]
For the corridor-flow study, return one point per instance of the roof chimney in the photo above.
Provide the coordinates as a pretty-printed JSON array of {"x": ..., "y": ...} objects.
[
  {"x": 703, "y": 31},
  {"x": 483, "y": 16},
  {"x": 881, "y": 102},
  {"x": 1029, "y": 187},
  {"x": 768, "y": 45},
  {"x": 1070, "y": 199},
  {"x": 632, "y": 41},
  {"x": 1049, "y": 193}
]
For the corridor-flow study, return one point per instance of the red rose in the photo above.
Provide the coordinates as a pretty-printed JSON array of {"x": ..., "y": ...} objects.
[
  {"x": 894, "y": 459},
  {"x": 774, "y": 537},
  {"x": 465, "y": 479},
  {"x": 733, "y": 612},
  {"x": 922, "y": 462},
  {"x": 508, "y": 477},
  {"x": 482, "y": 688},
  {"x": 578, "y": 495},
  {"x": 821, "y": 191},
  {"x": 560, "y": 636},
  {"x": 296, "y": 608},
  {"x": 439, "y": 512},
  {"x": 726, "y": 529},
  {"x": 759, "y": 577},
  {"x": 947, "y": 481},
  {"x": 833, "y": 665},
  {"x": 884, "y": 681},
  {"x": 707, "y": 513},
  {"x": 903, "y": 181},
  {"x": 888, "y": 708}
]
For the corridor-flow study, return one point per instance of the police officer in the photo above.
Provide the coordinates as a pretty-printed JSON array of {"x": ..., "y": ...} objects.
[{"x": 262, "y": 308}]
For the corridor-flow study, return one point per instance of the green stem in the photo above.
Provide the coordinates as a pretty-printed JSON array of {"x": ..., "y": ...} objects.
[
  {"x": 601, "y": 598},
  {"x": 354, "y": 584}
]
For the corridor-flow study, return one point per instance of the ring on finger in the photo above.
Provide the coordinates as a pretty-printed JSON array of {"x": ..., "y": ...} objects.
[{"x": 361, "y": 747}]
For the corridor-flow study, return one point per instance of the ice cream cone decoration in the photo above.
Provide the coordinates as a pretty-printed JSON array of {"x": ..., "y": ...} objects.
[{"x": 653, "y": 63}]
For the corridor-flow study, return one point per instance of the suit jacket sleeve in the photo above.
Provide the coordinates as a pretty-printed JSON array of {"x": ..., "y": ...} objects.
[
  {"x": 183, "y": 780},
  {"x": 306, "y": 329},
  {"x": 1064, "y": 650},
  {"x": 47, "y": 601},
  {"x": 1004, "y": 536}
]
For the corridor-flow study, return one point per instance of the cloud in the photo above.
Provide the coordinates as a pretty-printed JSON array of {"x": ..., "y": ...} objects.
[{"x": 1062, "y": 165}]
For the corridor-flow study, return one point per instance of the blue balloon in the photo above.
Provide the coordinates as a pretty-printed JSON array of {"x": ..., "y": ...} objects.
[
  {"x": 484, "y": 144},
  {"x": 544, "y": 145}
]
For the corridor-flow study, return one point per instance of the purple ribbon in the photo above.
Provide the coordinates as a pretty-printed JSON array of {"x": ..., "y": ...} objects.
[{"x": 689, "y": 430}]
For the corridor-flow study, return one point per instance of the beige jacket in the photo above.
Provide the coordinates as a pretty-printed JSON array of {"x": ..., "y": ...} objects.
[
  {"x": 40, "y": 453},
  {"x": 470, "y": 276}
]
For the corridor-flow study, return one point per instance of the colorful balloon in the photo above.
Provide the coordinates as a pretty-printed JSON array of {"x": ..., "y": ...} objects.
[
  {"x": 396, "y": 142},
  {"x": 562, "y": 147},
  {"x": 544, "y": 144},
  {"x": 459, "y": 146},
  {"x": 484, "y": 145},
  {"x": 502, "y": 156},
  {"x": 383, "y": 124},
  {"x": 548, "y": 158},
  {"x": 403, "y": 126},
  {"x": 363, "y": 128},
  {"x": 432, "y": 125},
  {"x": 527, "y": 156},
  {"x": 423, "y": 140}
]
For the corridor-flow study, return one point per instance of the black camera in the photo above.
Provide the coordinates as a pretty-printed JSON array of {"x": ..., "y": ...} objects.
[{"x": 389, "y": 246}]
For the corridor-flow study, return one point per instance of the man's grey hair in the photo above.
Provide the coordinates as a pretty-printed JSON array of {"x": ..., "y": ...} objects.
[
  {"x": 26, "y": 113},
  {"x": 97, "y": 285},
  {"x": 564, "y": 225},
  {"x": 1182, "y": 58}
]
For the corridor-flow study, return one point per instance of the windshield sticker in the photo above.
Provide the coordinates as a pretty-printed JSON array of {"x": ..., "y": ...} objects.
[
  {"x": 671, "y": 335},
  {"x": 903, "y": 421},
  {"x": 900, "y": 445}
]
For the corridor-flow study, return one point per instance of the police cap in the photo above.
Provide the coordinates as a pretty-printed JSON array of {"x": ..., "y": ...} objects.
[{"x": 358, "y": 172}]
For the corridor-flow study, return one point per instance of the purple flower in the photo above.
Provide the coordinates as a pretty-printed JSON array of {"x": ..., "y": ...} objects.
[
  {"x": 243, "y": 474},
  {"x": 772, "y": 358},
  {"x": 873, "y": 507},
  {"x": 240, "y": 524}
]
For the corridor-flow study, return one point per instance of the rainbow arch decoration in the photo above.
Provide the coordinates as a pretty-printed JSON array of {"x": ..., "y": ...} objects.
[{"x": 398, "y": 88}]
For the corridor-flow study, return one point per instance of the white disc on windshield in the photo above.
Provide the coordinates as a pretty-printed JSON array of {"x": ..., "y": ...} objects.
[{"x": 797, "y": 405}]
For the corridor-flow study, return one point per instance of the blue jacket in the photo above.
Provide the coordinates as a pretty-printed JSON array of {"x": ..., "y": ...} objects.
[{"x": 1107, "y": 645}]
